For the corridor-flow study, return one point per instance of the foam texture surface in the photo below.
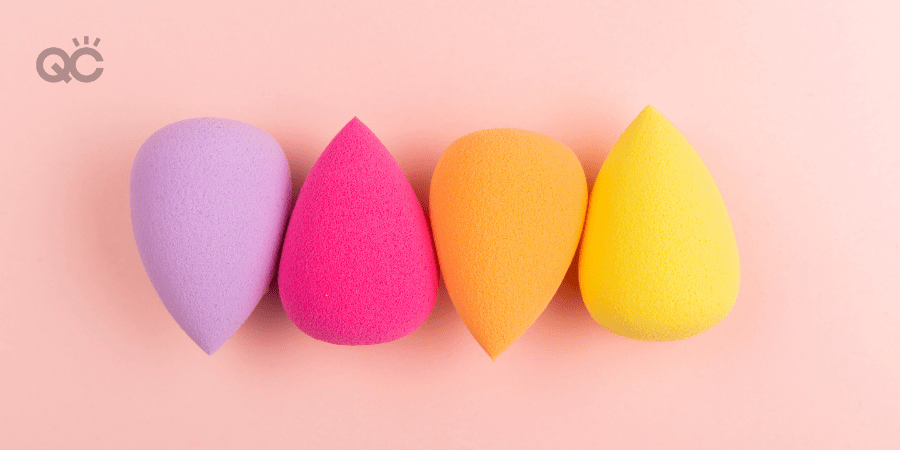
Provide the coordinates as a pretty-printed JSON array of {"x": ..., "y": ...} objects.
[
  {"x": 659, "y": 259},
  {"x": 209, "y": 204},
  {"x": 358, "y": 264},
  {"x": 507, "y": 209}
]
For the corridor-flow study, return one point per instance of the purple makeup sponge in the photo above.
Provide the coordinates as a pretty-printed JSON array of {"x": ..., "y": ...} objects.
[
  {"x": 209, "y": 202},
  {"x": 358, "y": 264}
]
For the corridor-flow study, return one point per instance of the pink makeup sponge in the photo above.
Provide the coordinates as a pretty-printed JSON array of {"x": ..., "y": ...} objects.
[
  {"x": 209, "y": 202},
  {"x": 358, "y": 264}
]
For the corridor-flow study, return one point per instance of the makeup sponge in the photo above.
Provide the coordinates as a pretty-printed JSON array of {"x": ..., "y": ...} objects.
[
  {"x": 209, "y": 203},
  {"x": 507, "y": 210},
  {"x": 659, "y": 259},
  {"x": 358, "y": 264}
]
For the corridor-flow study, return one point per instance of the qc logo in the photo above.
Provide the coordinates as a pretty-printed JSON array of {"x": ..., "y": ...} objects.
[{"x": 69, "y": 68}]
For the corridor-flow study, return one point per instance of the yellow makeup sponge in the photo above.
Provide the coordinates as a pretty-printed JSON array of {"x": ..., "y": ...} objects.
[
  {"x": 658, "y": 260},
  {"x": 507, "y": 209}
]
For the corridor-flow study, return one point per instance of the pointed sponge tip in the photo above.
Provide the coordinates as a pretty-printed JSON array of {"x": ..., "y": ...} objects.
[
  {"x": 659, "y": 259},
  {"x": 507, "y": 208},
  {"x": 358, "y": 264}
]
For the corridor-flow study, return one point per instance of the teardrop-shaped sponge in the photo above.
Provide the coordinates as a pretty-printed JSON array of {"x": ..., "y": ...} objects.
[
  {"x": 358, "y": 264},
  {"x": 507, "y": 210},
  {"x": 209, "y": 203},
  {"x": 659, "y": 259}
]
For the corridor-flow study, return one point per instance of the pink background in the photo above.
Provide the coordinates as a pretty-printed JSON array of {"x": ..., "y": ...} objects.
[{"x": 791, "y": 105}]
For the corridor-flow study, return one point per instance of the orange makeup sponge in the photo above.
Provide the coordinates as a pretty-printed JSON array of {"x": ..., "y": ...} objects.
[{"x": 507, "y": 209}]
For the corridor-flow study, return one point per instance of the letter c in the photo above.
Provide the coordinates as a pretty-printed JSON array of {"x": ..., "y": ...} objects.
[{"x": 74, "y": 59}]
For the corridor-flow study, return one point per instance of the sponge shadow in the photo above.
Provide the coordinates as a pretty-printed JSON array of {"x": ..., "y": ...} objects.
[
  {"x": 102, "y": 238},
  {"x": 443, "y": 330},
  {"x": 565, "y": 327},
  {"x": 268, "y": 331}
]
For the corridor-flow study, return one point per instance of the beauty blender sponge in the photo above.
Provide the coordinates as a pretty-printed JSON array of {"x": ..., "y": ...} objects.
[
  {"x": 659, "y": 259},
  {"x": 507, "y": 209},
  {"x": 209, "y": 203},
  {"x": 358, "y": 264}
]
